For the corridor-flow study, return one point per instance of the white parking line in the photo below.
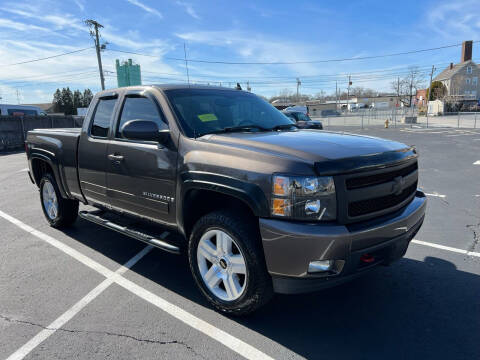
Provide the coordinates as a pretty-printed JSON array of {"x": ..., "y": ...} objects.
[
  {"x": 436, "y": 195},
  {"x": 447, "y": 248},
  {"x": 75, "y": 309},
  {"x": 191, "y": 320}
]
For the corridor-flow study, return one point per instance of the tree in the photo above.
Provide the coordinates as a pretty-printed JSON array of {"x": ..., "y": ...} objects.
[
  {"x": 57, "y": 101},
  {"x": 288, "y": 96},
  {"x": 87, "y": 97},
  {"x": 67, "y": 102},
  {"x": 406, "y": 88},
  {"x": 439, "y": 91},
  {"x": 360, "y": 91},
  {"x": 77, "y": 100}
]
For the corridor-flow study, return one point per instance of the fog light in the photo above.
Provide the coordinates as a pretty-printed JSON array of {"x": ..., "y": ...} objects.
[{"x": 320, "y": 266}]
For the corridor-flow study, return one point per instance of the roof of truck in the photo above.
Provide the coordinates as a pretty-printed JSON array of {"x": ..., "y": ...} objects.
[{"x": 171, "y": 87}]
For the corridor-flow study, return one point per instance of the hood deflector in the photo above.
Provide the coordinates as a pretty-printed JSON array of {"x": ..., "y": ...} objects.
[{"x": 365, "y": 162}]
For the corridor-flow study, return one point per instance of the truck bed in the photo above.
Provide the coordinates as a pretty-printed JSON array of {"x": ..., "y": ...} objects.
[{"x": 59, "y": 148}]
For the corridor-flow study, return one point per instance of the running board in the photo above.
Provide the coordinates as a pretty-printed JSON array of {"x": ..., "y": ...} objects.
[{"x": 157, "y": 241}]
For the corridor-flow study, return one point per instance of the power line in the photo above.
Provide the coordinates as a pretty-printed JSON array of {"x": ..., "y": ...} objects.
[
  {"x": 47, "y": 77},
  {"x": 48, "y": 57},
  {"x": 293, "y": 62}
]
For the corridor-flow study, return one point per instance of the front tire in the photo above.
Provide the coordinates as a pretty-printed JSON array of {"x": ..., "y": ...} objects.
[
  {"x": 58, "y": 211},
  {"x": 227, "y": 263}
]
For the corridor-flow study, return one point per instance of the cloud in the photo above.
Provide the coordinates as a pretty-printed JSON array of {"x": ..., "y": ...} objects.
[
  {"x": 80, "y": 4},
  {"x": 455, "y": 20},
  {"x": 189, "y": 9},
  {"x": 146, "y": 8},
  {"x": 256, "y": 47},
  {"x": 15, "y": 25},
  {"x": 60, "y": 21}
]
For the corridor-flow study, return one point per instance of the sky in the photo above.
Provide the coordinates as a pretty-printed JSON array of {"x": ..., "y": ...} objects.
[{"x": 229, "y": 31}]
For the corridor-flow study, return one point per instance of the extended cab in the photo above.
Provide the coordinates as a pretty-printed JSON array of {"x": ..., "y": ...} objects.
[{"x": 258, "y": 205}]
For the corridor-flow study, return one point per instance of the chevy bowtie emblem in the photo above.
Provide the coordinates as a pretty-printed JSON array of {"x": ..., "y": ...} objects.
[{"x": 398, "y": 184}]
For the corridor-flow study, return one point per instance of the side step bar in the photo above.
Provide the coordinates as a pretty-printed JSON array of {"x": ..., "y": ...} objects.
[{"x": 95, "y": 217}]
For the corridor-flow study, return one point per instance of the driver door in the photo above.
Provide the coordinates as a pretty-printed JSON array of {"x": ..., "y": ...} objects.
[{"x": 141, "y": 174}]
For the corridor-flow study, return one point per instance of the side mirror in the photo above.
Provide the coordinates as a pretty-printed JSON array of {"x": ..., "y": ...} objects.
[{"x": 143, "y": 130}]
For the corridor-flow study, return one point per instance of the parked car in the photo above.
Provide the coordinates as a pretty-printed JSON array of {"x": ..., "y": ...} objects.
[
  {"x": 20, "y": 110},
  {"x": 303, "y": 121},
  {"x": 329, "y": 113},
  {"x": 258, "y": 205},
  {"x": 298, "y": 108}
]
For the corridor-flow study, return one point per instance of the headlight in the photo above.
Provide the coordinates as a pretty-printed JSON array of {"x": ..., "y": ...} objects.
[{"x": 304, "y": 198}]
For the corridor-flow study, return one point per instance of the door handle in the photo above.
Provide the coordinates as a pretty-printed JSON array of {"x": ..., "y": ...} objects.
[{"x": 116, "y": 158}]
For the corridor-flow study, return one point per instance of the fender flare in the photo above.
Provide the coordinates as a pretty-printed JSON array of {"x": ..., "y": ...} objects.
[
  {"x": 251, "y": 194},
  {"x": 50, "y": 160}
]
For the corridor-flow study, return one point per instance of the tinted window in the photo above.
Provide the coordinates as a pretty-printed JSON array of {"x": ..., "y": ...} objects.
[
  {"x": 102, "y": 116},
  {"x": 140, "y": 108},
  {"x": 202, "y": 111}
]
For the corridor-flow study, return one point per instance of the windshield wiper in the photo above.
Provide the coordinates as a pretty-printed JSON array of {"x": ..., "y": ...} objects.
[
  {"x": 240, "y": 128},
  {"x": 283, "y": 127}
]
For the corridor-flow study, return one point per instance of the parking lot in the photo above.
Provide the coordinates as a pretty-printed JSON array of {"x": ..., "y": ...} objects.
[{"x": 91, "y": 293}]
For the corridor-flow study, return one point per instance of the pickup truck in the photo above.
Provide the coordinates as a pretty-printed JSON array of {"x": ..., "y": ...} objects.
[{"x": 258, "y": 205}]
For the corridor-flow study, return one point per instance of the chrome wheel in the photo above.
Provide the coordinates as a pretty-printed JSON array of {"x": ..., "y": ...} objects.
[
  {"x": 222, "y": 265},
  {"x": 50, "y": 202}
]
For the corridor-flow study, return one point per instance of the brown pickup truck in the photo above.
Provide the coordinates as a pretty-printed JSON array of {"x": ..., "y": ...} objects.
[{"x": 258, "y": 205}]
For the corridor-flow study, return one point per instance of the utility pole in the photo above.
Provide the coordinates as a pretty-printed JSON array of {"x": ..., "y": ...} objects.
[
  {"x": 298, "y": 85},
  {"x": 336, "y": 95},
  {"x": 186, "y": 62},
  {"x": 18, "y": 97},
  {"x": 96, "y": 38},
  {"x": 429, "y": 91},
  {"x": 348, "y": 91}
]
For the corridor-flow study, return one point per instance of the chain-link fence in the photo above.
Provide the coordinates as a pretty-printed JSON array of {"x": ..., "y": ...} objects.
[{"x": 404, "y": 117}]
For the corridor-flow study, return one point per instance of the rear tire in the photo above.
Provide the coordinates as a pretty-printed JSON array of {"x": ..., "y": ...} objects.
[
  {"x": 227, "y": 262},
  {"x": 58, "y": 211}
]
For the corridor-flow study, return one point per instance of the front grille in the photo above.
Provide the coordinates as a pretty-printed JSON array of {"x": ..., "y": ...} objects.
[
  {"x": 360, "y": 182},
  {"x": 364, "y": 207}
]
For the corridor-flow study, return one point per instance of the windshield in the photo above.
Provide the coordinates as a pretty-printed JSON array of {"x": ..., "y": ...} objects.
[
  {"x": 303, "y": 117},
  {"x": 204, "y": 111}
]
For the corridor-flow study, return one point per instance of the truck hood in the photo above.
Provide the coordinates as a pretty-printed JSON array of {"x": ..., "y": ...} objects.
[{"x": 310, "y": 145}]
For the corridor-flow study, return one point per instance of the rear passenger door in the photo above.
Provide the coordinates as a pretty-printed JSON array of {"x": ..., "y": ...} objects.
[
  {"x": 143, "y": 181},
  {"x": 92, "y": 151}
]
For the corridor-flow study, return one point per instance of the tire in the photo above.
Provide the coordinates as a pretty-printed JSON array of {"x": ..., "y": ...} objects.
[
  {"x": 64, "y": 212},
  {"x": 236, "y": 293}
]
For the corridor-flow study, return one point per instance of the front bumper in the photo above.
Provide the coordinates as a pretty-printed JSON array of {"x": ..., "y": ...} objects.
[{"x": 290, "y": 246}]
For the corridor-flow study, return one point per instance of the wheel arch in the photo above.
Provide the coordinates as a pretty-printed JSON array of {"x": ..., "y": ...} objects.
[
  {"x": 42, "y": 164},
  {"x": 206, "y": 196}
]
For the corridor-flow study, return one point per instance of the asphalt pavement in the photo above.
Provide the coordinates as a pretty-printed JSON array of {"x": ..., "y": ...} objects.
[{"x": 91, "y": 293}]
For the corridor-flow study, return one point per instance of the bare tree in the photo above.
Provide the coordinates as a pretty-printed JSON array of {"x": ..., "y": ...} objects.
[
  {"x": 288, "y": 96},
  {"x": 407, "y": 87}
]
